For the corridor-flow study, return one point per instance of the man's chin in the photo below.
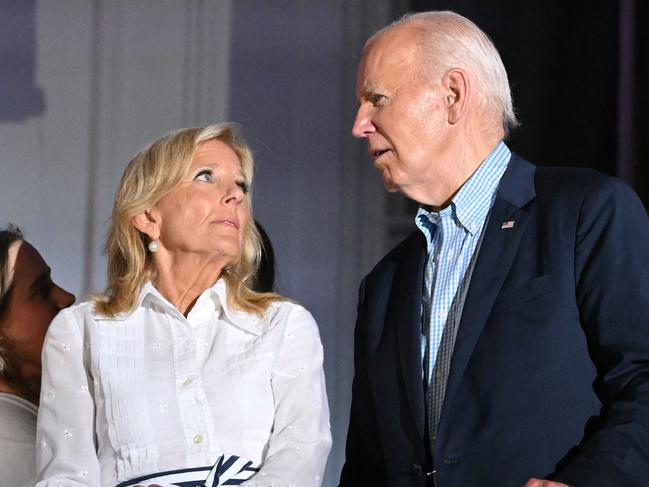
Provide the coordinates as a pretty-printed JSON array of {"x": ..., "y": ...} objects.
[{"x": 390, "y": 187}]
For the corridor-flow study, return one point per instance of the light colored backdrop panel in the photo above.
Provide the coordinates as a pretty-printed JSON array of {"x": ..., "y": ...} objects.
[
  {"x": 157, "y": 70},
  {"x": 43, "y": 159},
  {"x": 115, "y": 75}
]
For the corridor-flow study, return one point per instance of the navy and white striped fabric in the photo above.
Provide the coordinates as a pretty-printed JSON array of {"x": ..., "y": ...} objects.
[
  {"x": 452, "y": 236},
  {"x": 228, "y": 470}
]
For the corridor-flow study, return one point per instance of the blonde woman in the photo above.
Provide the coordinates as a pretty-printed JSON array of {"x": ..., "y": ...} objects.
[{"x": 180, "y": 374}]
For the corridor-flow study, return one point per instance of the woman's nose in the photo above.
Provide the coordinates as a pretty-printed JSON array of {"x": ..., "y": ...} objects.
[
  {"x": 63, "y": 298},
  {"x": 235, "y": 194}
]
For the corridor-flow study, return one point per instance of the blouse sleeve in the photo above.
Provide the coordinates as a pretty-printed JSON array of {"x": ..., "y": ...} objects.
[
  {"x": 65, "y": 449},
  {"x": 301, "y": 438}
]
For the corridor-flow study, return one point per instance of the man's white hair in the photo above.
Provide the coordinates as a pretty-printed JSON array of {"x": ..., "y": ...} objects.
[{"x": 448, "y": 40}]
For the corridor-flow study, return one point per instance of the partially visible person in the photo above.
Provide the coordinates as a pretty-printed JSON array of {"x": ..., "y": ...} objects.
[
  {"x": 181, "y": 374},
  {"x": 264, "y": 281},
  {"x": 29, "y": 300}
]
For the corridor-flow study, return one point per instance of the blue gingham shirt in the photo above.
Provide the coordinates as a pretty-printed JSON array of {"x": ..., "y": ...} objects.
[{"x": 452, "y": 235}]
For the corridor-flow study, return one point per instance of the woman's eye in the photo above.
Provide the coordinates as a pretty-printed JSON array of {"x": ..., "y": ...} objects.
[
  {"x": 205, "y": 176},
  {"x": 244, "y": 186},
  {"x": 43, "y": 291}
]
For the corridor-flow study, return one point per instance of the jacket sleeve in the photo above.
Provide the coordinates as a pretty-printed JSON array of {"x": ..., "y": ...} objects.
[
  {"x": 65, "y": 450},
  {"x": 364, "y": 462},
  {"x": 612, "y": 292}
]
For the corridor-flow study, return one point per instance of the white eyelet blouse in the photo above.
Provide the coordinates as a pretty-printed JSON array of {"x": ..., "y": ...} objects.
[{"x": 154, "y": 391}]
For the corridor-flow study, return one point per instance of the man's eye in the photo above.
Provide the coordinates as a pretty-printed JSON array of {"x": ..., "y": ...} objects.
[
  {"x": 375, "y": 99},
  {"x": 205, "y": 176}
]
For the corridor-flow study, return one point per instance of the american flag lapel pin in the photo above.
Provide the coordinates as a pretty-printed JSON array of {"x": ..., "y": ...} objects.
[{"x": 507, "y": 224}]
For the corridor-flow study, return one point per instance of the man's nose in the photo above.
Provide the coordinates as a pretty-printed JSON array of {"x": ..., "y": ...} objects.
[{"x": 362, "y": 124}]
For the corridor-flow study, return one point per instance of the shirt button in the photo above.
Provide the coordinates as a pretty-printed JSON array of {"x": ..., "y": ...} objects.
[
  {"x": 442, "y": 315},
  {"x": 198, "y": 439},
  {"x": 188, "y": 382}
]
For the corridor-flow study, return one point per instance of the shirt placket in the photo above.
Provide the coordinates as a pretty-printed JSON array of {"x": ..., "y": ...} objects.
[
  {"x": 433, "y": 332},
  {"x": 188, "y": 361}
]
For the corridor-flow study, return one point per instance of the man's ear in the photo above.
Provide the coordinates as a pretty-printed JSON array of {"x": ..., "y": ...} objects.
[
  {"x": 457, "y": 90},
  {"x": 147, "y": 224}
]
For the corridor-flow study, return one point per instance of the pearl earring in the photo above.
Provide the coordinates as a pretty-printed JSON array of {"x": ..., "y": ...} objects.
[{"x": 153, "y": 246}]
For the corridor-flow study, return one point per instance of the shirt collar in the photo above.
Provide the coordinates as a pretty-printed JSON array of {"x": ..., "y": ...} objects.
[
  {"x": 474, "y": 199},
  {"x": 214, "y": 297}
]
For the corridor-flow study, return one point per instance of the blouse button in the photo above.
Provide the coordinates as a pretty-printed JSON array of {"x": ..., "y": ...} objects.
[
  {"x": 198, "y": 439},
  {"x": 188, "y": 382}
]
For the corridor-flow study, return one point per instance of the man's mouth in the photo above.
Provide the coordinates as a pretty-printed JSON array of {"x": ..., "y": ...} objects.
[{"x": 379, "y": 153}]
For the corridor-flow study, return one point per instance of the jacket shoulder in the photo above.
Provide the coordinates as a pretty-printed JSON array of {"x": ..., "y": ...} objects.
[{"x": 578, "y": 179}]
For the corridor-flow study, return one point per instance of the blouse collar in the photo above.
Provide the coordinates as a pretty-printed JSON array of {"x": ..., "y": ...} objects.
[{"x": 213, "y": 299}]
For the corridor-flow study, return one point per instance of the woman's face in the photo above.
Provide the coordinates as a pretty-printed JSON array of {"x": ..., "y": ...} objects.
[
  {"x": 207, "y": 213},
  {"x": 34, "y": 302}
]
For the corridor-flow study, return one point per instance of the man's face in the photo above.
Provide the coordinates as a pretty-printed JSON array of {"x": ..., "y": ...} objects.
[{"x": 402, "y": 115}]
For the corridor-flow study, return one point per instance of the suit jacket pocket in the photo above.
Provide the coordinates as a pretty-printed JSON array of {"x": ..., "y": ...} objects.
[{"x": 524, "y": 292}]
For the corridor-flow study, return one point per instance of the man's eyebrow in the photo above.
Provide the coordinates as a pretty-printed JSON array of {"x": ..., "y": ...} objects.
[{"x": 366, "y": 92}]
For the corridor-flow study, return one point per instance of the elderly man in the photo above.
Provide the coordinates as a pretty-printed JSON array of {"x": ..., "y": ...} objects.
[{"x": 504, "y": 343}]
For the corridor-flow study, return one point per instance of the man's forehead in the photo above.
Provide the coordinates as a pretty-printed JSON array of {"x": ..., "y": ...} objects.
[{"x": 386, "y": 56}]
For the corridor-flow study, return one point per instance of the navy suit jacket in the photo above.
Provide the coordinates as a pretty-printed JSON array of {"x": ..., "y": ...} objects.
[{"x": 550, "y": 371}]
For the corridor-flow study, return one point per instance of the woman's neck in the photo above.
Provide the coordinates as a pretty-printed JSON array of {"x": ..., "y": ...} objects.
[
  {"x": 29, "y": 391},
  {"x": 181, "y": 279}
]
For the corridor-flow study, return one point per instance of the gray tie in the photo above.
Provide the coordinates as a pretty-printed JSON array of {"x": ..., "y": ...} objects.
[{"x": 436, "y": 384}]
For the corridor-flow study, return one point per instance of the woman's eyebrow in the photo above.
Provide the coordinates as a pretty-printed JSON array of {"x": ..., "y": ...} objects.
[{"x": 38, "y": 282}]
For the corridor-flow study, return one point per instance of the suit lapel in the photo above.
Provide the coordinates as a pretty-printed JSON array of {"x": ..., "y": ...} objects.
[
  {"x": 405, "y": 313},
  {"x": 499, "y": 247}
]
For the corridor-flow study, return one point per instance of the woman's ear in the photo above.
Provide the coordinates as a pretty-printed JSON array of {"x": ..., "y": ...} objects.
[{"x": 146, "y": 223}]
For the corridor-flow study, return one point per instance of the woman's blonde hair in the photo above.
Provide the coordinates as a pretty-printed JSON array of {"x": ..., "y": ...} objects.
[{"x": 151, "y": 174}]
